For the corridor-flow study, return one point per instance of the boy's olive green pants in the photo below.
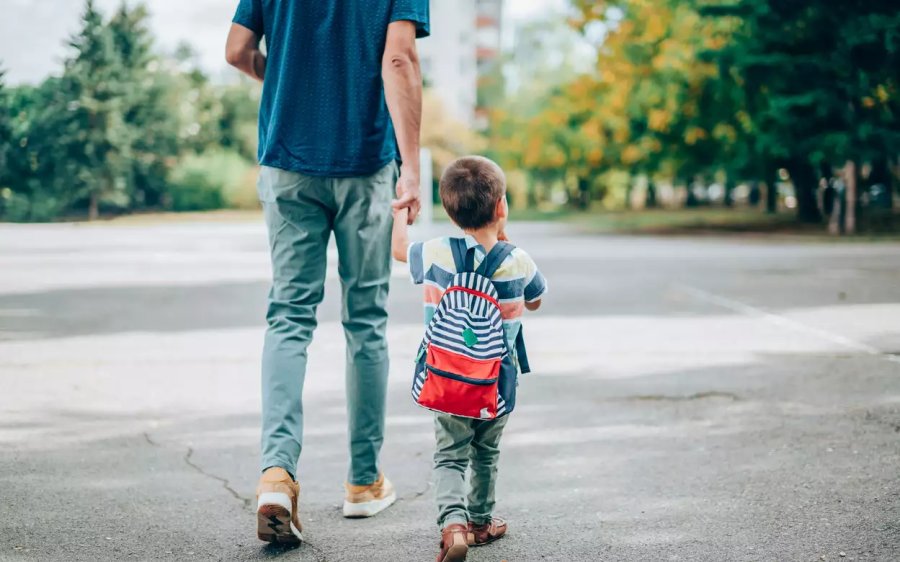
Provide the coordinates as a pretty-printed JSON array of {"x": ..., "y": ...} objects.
[
  {"x": 301, "y": 212},
  {"x": 466, "y": 443}
]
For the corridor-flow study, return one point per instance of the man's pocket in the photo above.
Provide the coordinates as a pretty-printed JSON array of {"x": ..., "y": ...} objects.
[{"x": 275, "y": 183}]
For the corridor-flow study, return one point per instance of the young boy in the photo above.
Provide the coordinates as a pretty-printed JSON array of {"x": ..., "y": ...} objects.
[{"x": 473, "y": 192}]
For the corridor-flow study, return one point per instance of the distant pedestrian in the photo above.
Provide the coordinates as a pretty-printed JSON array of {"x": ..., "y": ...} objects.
[
  {"x": 476, "y": 290},
  {"x": 342, "y": 95}
]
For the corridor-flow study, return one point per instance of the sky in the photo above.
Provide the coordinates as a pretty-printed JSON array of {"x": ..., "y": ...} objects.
[{"x": 33, "y": 32}]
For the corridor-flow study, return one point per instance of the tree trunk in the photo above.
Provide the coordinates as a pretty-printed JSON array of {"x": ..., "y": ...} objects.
[
  {"x": 94, "y": 206},
  {"x": 851, "y": 178},
  {"x": 754, "y": 197},
  {"x": 690, "y": 197},
  {"x": 771, "y": 189},
  {"x": 881, "y": 175},
  {"x": 651, "y": 201},
  {"x": 583, "y": 197},
  {"x": 531, "y": 192},
  {"x": 729, "y": 192},
  {"x": 805, "y": 181}
]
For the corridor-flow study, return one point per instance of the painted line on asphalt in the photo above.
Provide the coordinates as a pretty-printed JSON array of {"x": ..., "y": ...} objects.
[{"x": 784, "y": 322}]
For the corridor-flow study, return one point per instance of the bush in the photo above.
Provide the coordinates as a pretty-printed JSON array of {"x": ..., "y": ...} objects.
[
  {"x": 212, "y": 180},
  {"x": 17, "y": 207},
  {"x": 195, "y": 191}
]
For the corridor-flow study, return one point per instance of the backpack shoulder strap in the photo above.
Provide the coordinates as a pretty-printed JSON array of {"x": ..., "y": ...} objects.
[
  {"x": 495, "y": 257},
  {"x": 463, "y": 256},
  {"x": 521, "y": 354}
]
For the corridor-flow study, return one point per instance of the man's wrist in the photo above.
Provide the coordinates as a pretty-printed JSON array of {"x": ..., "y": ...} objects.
[{"x": 411, "y": 172}]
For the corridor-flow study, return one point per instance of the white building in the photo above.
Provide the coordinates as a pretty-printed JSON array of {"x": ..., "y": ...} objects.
[{"x": 464, "y": 43}]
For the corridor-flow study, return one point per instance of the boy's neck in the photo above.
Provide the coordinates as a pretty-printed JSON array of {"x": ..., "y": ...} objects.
[{"x": 486, "y": 236}]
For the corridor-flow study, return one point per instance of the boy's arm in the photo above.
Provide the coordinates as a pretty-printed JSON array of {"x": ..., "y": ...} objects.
[
  {"x": 400, "y": 234},
  {"x": 535, "y": 287}
]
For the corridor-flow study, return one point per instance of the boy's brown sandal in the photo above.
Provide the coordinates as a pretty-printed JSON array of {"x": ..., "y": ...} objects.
[
  {"x": 454, "y": 544},
  {"x": 489, "y": 532}
]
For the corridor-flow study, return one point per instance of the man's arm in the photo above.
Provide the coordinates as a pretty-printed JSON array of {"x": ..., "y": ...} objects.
[
  {"x": 400, "y": 234},
  {"x": 403, "y": 94},
  {"x": 534, "y": 305},
  {"x": 242, "y": 52}
]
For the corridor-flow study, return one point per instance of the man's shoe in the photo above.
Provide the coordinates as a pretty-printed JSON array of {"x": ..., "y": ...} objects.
[
  {"x": 454, "y": 546},
  {"x": 277, "y": 519},
  {"x": 487, "y": 533},
  {"x": 366, "y": 501}
]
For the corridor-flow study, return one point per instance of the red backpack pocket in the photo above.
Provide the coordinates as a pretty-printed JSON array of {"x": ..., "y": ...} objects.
[{"x": 446, "y": 389}]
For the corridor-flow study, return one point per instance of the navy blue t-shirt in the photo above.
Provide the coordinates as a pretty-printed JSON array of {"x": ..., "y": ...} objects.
[{"x": 323, "y": 111}]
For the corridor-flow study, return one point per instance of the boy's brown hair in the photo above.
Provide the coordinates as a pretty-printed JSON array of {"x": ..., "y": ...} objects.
[{"x": 470, "y": 189}]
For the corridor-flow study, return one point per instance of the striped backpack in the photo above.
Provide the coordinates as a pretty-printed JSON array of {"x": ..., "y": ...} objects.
[{"x": 464, "y": 366}]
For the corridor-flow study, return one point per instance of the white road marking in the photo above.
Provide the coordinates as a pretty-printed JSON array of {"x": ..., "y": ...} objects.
[{"x": 783, "y": 321}]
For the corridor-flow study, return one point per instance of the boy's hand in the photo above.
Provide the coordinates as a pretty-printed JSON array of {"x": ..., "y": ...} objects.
[
  {"x": 501, "y": 236},
  {"x": 401, "y": 214},
  {"x": 399, "y": 236}
]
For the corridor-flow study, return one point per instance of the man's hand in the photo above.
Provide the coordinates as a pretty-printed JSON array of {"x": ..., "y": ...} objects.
[{"x": 408, "y": 195}]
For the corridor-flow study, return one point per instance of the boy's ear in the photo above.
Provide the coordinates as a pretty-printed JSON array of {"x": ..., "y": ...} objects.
[{"x": 502, "y": 209}]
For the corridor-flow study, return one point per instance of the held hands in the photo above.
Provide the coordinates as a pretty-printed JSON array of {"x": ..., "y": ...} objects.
[
  {"x": 408, "y": 196},
  {"x": 401, "y": 215},
  {"x": 501, "y": 236}
]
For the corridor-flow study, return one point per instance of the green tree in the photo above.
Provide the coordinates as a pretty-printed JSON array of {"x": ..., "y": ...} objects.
[
  {"x": 541, "y": 128},
  {"x": 100, "y": 145},
  {"x": 821, "y": 81},
  {"x": 664, "y": 109},
  {"x": 147, "y": 98},
  {"x": 6, "y": 137},
  {"x": 39, "y": 164},
  {"x": 236, "y": 118}
]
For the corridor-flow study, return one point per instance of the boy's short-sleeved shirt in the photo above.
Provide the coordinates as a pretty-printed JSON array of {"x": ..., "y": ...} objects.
[
  {"x": 323, "y": 110},
  {"x": 517, "y": 280}
]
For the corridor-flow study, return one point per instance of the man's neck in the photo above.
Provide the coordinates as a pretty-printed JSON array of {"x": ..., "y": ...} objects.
[{"x": 486, "y": 236}]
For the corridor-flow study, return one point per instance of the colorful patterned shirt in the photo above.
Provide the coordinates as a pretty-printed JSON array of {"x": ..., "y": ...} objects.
[{"x": 517, "y": 279}]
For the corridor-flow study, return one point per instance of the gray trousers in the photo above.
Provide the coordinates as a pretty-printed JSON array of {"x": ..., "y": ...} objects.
[
  {"x": 466, "y": 443},
  {"x": 301, "y": 212}
]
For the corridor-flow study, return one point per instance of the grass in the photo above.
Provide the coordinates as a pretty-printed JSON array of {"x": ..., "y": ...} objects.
[
  {"x": 664, "y": 221},
  {"x": 166, "y": 217},
  {"x": 698, "y": 221},
  {"x": 708, "y": 220},
  {"x": 660, "y": 221}
]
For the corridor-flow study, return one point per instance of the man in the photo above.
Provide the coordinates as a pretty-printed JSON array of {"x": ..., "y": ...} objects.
[{"x": 340, "y": 80}]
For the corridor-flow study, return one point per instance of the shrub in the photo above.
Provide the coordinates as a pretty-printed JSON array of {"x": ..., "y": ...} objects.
[{"x": 212, "y": 180}]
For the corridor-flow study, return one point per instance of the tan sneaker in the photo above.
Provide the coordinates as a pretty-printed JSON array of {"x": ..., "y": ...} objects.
[
  {"x": 366, "y": 501},
  {"x": 277, "y": 519}
]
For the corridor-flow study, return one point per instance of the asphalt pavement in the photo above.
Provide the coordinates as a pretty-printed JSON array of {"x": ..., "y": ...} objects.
[{"x": 733, "y": 398}]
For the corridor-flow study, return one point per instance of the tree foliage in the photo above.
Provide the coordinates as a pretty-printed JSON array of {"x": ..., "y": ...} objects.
[
  {"x": 702, "y": 89},
  {"x": 113, "y": 131},
  {"x": 821, "y": 82}
]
